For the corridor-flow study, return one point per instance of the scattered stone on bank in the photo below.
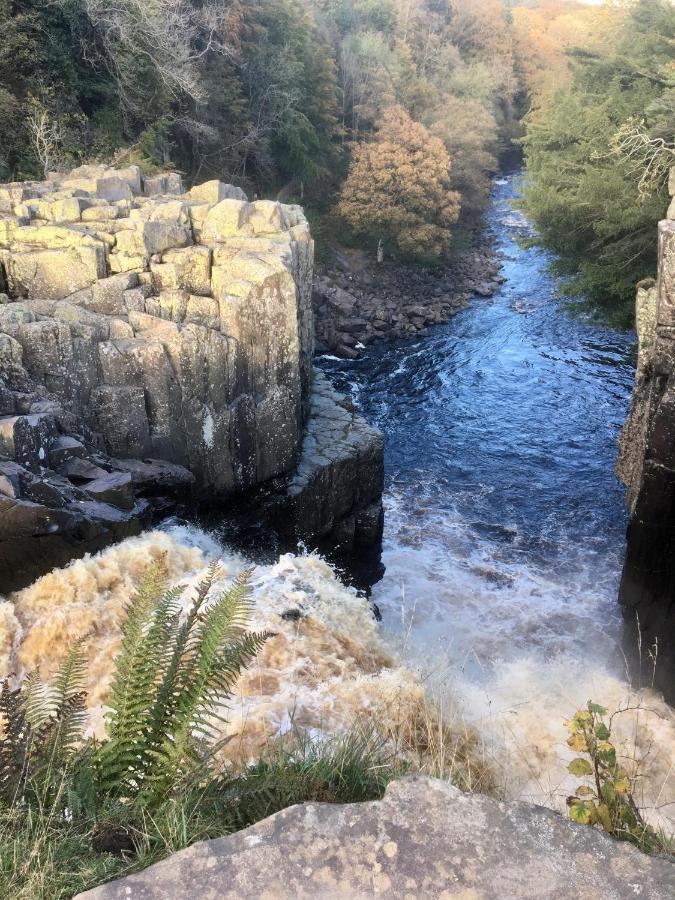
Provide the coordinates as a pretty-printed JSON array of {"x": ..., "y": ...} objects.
[
  {"x": 424, "y": 840},
  {"x": 358, "y": 302},
  {"x": 155, "y": 351}
]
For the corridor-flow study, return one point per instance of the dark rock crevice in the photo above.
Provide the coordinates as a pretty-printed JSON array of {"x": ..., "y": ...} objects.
[{"x": 647, "y": 466}]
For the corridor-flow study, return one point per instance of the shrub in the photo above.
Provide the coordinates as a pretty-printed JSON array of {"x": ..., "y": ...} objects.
[{"x": 608, "y": 801}]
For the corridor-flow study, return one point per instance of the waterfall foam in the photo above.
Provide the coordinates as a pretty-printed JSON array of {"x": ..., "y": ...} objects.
[
  {"x": 326, "y": 667},
  {"x": 330, "y": 665}
]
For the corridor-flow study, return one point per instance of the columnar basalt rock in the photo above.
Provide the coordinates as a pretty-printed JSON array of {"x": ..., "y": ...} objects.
[
  {"x": 142, "y": 322},
  {"x": 647, "y": 466}
]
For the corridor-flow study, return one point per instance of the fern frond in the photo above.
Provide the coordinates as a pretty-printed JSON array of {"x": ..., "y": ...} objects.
[
  {"x": 71, "y": 677},
  {"x": 14, "y": 743},
  {"x": 39, "y": 701},
  {"x": 149, "y": 638}
]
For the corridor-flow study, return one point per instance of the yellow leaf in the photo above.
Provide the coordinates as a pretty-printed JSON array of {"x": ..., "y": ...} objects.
[
  {"x": 583, "y": 812},
  {"x": 580, "y": 767},
  {"x": 577, "y": 742},
  {"x": 622, "y": 785},
  {"x": 604, "y": 818}
]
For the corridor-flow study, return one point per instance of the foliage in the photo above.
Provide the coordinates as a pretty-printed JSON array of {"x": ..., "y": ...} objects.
[
  {"x": 398, "y": 188},
  {"x": 589, "y": 200},
  {"x": 608, "y": 800},
  {"x": 75, "y": 813},
  {"x": 172, "y": 676},
  {"x": 44, "y": 855}
]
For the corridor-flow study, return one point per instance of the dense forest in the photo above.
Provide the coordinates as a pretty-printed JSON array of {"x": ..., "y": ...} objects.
[{"x": 340, "y": 103}]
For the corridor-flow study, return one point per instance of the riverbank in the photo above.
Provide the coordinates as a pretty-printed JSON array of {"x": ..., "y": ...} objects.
[
  {"x": 358, "y": 301},
  {"x": 504, "y": 524}
]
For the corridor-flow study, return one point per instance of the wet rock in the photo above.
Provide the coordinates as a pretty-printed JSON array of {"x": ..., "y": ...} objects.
[
  {"x": 155, "y": 476},
  {"x": 425, "y": 839},
  {"x": 11, "y": 475},
  {"x": 647, "y": 466},
  {"x": 27, "y": 439},
  {"x": 333, "y": 501},
  {"x": 81, "y": 470},
  {"x": 115, "y": 489},
  {"x": 64, "y": 448}
]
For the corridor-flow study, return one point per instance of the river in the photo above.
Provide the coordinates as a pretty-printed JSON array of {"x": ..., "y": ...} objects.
[
  {"x": 505, "y": 523},
  {"x": 503, "y": 544}
]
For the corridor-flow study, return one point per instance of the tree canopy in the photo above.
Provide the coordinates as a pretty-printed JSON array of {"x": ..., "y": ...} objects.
[
  {"x": 598, "y": 154},
  {"x": 280, "y": 96},
  {"x": 398, "y": 188}
]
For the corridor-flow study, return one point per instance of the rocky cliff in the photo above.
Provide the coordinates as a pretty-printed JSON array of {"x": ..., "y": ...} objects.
[
  {"x": 647, "y": 466},
  {"x": 155, "y": 350}
]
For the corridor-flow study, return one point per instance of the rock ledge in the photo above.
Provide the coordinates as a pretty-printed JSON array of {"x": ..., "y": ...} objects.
[{"x": 425, "y": 839}]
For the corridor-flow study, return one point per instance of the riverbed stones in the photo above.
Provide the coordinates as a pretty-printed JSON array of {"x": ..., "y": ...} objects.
[
  {"x": 358, "y": 302},
  {"x": 425, "y": 839}
]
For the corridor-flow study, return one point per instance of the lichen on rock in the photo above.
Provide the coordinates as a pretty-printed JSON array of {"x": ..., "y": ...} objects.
[{"x": 144, "y": 322}]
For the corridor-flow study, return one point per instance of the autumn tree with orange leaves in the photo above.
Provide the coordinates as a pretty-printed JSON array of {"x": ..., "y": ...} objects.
[{"x": 398, "y": 188}]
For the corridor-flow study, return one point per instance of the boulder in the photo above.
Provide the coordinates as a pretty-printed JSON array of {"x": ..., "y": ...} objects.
[
  {"x": 115, "y": 489},
  {"x": 225, "y": 220},
  {"x": 215, "y": 191},
  {"x": 187, "y": 269},
  {"x": 54, "y": 274},
  {"x": 425, "y": 839},
  {"x": 27, "y": 439}
]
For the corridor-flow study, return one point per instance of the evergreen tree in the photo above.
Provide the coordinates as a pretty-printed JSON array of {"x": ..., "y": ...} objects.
[{"x": 586, "y": 197}]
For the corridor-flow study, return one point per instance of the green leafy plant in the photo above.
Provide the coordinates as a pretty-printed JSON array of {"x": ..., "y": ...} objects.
[
  {"x": 608, "y": 800},
  {"x": 173, "y": 675},
  {"x": 43, "y": 726}
]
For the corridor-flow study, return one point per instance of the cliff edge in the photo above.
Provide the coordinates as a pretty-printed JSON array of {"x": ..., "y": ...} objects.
[
  {"x": 424, "y": 839},
  {"x": 647, "y": 466},
  {"x": 155, "y": 352}
]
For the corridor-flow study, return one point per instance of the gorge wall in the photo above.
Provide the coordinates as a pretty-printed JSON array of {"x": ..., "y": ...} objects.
[
  {"x": 647, "y": 466},
  {"x": 155, "y": 354}
]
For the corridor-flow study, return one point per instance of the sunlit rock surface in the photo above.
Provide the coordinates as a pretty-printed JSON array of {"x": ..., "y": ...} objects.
[
  {"x": 647, "y": 466},
  {"x": 425, "y": 839},
  {"x": 140, "y": 322}
]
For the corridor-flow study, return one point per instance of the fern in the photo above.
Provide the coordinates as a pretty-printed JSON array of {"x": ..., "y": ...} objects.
[
  {"x": 173, "y": 674},
  {"x": 44, "y": 724},
  {"x": 148, "y": 636},
  {"x": 170, "y": 679}
]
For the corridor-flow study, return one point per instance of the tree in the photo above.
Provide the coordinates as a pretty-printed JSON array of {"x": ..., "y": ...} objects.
[
  {"x": 592, "y": 205},
  {"x": 398, "y": 188},
  {"x": 470, "y": 133}
]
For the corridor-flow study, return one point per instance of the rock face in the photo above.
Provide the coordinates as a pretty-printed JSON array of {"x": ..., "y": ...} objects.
[
  {"x": 335, "y": 494},
  {"x": 425, "y": 839},
  {"x": 647, "y": 466},
  {"x": 143, "y": 324}
]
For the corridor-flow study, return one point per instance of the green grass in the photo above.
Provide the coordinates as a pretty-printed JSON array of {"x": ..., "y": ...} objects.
[{"x": 44, "y": 857}]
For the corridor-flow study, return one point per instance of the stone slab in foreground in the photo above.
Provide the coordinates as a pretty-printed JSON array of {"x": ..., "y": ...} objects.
[{"x": 424, "y": 839}]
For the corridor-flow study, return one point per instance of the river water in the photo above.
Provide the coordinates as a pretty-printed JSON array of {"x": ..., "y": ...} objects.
[
  {"x": 505, "y": 523},
  {"x": 503, "y": 545}
]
